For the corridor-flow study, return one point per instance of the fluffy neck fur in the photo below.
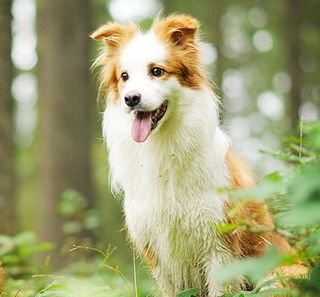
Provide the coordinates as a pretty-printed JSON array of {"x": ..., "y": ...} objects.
[{"x": 189, "y": 148}]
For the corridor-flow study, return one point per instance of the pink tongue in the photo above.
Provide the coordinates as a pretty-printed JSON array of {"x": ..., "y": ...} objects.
[{"x": 141, "y": 126}]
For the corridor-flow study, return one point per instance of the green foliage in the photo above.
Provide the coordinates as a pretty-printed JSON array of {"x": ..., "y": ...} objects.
[
  {"x": 92, "y": 276},
  {"x": 304, "y": 193},
  {"x": 81, "y": 287},
  {"x": 17, "y": 252},
  {"x": 189, "y": 293},
  {"x": 311, "y": 286},
  {"x": 19, "y": 257},
  {"x": 79, "y": 218},
  {"x": 293, "y": 197},
  {"x": 252, "y": 268}
]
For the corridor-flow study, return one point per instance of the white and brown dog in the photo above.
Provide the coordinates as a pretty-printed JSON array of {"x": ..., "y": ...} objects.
[{"x": 169, "y": 156}]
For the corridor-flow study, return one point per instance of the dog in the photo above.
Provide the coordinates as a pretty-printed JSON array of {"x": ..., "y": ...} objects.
[{"x": 169, "y": 155}]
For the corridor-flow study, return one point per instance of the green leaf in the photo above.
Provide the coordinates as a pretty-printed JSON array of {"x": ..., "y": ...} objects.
[
  {"x": 302, "y": 215},
  {"x": 6, "y": 244},
  {"x": 253, "y": 268},
  {"x": 26, "y": 238},
  {"x": 189, "y": 293},
  {"x": 226, "y": 228},
  {"x": 71, "y": 203},
  {"x": 80, "y": 287},
  {"x": 27, "y": 251},
  {"x": 271, "y": 185},
  {"x": 72, "y": 227},
  {"x": 92, "y": 220},
  {"x": 275, "y": 292},
  {"x": 306, "y": 184}
]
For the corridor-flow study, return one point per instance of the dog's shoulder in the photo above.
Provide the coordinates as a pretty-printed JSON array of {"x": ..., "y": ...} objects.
[{"x": 239, "y": 174}]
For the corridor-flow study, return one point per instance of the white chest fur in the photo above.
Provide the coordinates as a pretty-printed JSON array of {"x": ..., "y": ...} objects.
[{"x": 170, "y": 184}]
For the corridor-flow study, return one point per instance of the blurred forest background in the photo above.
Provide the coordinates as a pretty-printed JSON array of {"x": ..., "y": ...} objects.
[{"x": 263, "y": 56}]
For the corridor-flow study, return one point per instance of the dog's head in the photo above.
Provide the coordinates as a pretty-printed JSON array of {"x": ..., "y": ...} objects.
[{"x": 140, "y": 71}]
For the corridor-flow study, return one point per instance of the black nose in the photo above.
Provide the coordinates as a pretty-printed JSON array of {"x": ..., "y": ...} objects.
[{"x": 132, "y": 98}]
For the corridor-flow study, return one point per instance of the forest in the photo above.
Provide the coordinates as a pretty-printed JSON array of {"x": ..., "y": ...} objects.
[{"x": 61, "y": 227}]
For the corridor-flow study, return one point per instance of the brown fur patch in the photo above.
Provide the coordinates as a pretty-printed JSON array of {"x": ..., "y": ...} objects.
[
  {"x": 249, "y": 217},
  {"x": 180, "y": 34},
  {"x": 255, "y": 229},
  {"x": 149, "y": 257},
  {"x": 240, "y": 176},
  {"x": 115, "y": 37},
  {"x": 146, "y": 252},
  {"x": 294, "y": 271}
]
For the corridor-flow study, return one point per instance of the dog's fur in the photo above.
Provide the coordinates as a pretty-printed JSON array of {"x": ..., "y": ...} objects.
[{"x": 170, "y": 181}]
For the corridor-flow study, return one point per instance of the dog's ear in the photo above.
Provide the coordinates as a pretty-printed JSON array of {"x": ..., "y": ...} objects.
[
  {"x": 113, "y": 34},
  {"x": 178, "y": 29}
]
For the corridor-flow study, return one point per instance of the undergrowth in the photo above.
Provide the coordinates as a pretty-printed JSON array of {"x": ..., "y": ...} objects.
[{"x": 293, "y": 198}]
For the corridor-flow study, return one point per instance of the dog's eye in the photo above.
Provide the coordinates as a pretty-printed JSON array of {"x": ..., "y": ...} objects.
[
  {"x": 156, "y": 71},
  {"x": 125, "y": 76}
]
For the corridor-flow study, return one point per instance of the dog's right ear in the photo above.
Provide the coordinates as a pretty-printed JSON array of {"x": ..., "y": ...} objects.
[
  {"x": 178, "y": 29},
  {"x": 113, "y": 34}
]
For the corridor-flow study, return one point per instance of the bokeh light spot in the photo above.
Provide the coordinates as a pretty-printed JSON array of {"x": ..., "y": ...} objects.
[
  {"x": 270, "y": 105},
  {"x": 263, "y": 41},
  {"x": 123, "y": 10}
]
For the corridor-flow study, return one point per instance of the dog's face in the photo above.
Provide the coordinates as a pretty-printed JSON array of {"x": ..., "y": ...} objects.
[{"x": 141, "y": 70}]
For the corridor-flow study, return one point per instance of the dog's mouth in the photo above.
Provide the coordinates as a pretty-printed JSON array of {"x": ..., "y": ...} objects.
[{"x": 145, "y": 121}]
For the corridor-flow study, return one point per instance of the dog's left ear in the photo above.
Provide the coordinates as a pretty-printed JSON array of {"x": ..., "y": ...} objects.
[
  {"x": 178, "y": 29},
  {"x": 113, "y": 34}
]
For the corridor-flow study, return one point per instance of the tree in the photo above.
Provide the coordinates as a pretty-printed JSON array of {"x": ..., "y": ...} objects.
[
  {"x": 66, "y": 106},
  {"x": 293, "y": 9},
  {"x": 7, "y": 176},
  {"x": 218, "y": 7}
]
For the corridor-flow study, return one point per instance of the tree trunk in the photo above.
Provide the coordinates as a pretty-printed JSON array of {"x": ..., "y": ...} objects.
[
  {"x": 66, "y": 106},
  {"x": 293, "y": 11},
  {"x": 217, "y": 39},
  {"x": 7, "y": 177}
]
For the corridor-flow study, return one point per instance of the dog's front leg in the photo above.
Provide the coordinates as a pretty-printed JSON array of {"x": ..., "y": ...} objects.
[
  {"x": 215, "y": 262},
  {"x": 165, "y": 284}
]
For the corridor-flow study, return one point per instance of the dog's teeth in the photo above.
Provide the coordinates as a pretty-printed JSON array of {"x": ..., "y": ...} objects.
[{"x": 157, "y": 115}]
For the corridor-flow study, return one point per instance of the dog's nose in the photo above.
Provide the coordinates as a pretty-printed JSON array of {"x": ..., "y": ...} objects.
[{"x": 132, "y": 98}]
